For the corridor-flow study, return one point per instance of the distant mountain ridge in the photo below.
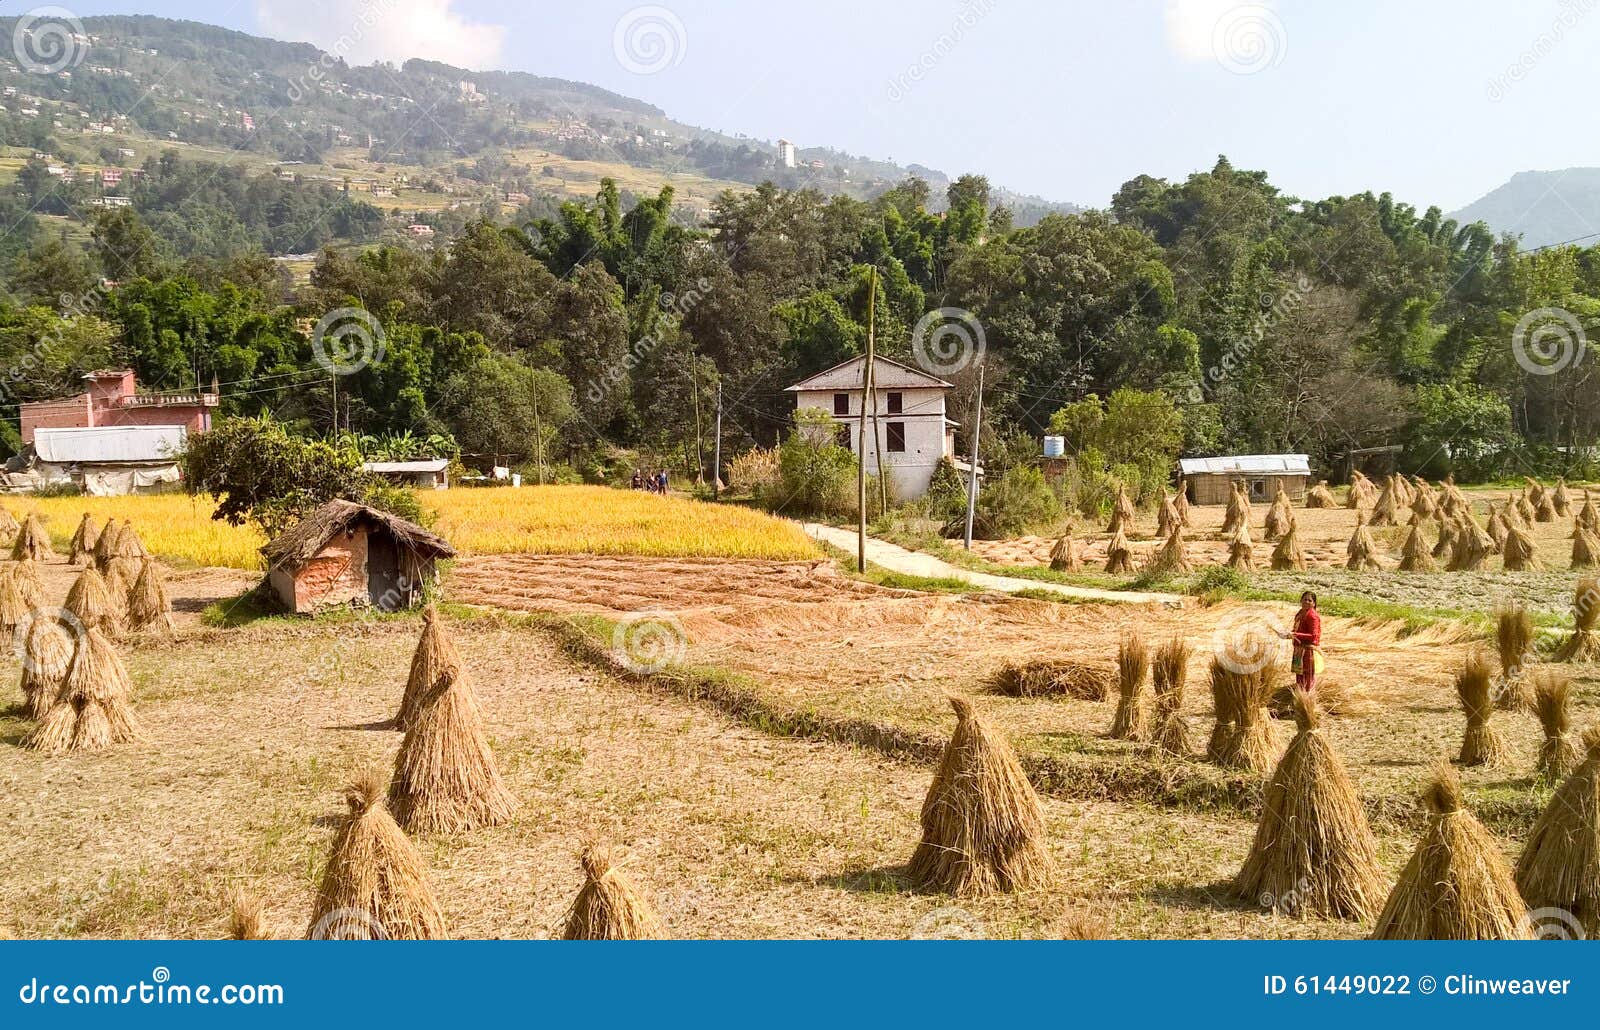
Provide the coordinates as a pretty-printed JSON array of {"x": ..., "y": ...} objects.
[{"x": 1542, "y": 207}]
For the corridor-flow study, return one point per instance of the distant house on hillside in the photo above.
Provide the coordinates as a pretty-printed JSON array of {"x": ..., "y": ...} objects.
[
  {"x": 1208, "y": 480},
  {"x": 913, "y": 434}
]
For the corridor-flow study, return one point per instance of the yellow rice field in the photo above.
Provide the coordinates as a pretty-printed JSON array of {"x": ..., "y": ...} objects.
[
  {"x": 601, "y": 520},
  {"x": 176, "y": 527},
  {"x": 505, "y": 520}
]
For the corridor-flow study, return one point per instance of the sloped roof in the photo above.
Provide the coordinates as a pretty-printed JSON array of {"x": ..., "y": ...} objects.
[
  {"x": 1247, "y": 465},
  {"x": 305, "y": 538},
  {"x": 110, "y": 444},
  {"x": 887, "y": 375}
]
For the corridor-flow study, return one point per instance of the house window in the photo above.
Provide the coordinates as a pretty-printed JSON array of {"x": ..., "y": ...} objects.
[
  {"x": 896, "y": 436},
  {"x": 841, "y": 404},
  {"x": 1258, "y": 488},
  {"x": 842, "y": 437},
  {"x": 896, "y": 403}
]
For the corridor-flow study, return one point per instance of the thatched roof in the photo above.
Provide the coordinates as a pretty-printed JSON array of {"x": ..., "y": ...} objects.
[{"x": 305, "y": 538}]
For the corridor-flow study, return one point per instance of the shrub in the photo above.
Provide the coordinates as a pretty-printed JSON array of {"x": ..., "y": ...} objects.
[
  {"x": 754, "y": 471},
  {"x": 815, "y": 475},
  {"x": 1017, "y": 502}
]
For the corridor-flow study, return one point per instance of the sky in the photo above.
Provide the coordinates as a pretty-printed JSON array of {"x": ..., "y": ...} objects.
[{"x": 1437, "y": 102}]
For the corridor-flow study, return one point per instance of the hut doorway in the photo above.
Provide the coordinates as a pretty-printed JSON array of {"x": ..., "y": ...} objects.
[{"x": 384, "y": 584}]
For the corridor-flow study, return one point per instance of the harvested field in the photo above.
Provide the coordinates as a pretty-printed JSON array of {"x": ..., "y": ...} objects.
[{"x": 887, "y": 658}]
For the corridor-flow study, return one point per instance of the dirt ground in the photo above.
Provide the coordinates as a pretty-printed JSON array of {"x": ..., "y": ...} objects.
[
  {"x": 251, "y": 732},
  {"x": 1323, "y": 534}
]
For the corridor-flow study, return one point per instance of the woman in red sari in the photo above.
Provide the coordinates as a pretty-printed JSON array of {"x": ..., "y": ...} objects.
[{"x": 1307, "y": 639}]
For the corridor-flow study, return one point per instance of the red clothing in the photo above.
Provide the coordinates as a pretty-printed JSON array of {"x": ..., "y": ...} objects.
[{"x": 1307, "y": 628}]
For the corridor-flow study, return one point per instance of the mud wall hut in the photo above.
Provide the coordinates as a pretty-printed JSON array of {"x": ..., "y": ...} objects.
[{"x": 351, "y": 554}]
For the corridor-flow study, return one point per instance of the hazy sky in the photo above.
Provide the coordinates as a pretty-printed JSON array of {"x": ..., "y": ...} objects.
[{"x": 1436, "y": 101}]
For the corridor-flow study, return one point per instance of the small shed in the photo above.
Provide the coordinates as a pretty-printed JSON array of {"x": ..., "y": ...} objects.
[
  {"x": 422, "y": 473},
  {"x": 1208, "y": 480},
  {"x": 351, "y": 554},
  {"x": 107, "y": 461}
]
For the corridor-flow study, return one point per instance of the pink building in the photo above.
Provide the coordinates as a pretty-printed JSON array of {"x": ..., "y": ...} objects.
[{"x": 112, "y": 399}]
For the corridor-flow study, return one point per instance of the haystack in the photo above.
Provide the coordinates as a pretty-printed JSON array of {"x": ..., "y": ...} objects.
[
  {"x": 1169, "y": 671},
  {"x": 1121, "y": 511},
  {"x": 1385, "y": 512},
  {"x": 1561, "y": 499},
  {"x": 445, "y": 777},
  {"x": 83, "y": 541},
  {"x": 434, "y": 659},
  {"x": 1589, "y": 515},
  {"x": 1560, "y": 864},
  {"x": 128, "y": 544},
  {"x": 1118, "y": 557},
  {"x": 1416, "y": 557},
  {"x": 149, "y": 607},
  {"x": 1320, "y": 496},
  {"x": 1180, "y": 503},
  {"x": 1064, "y": 555},
  {"x": 1497, "y": 528},
  {"x": 1279, "y": 517},
  {"x": 1172, "y": 556},
  {"x": 1238, "y": 512},
  {"x": 375, "y": 886},
  {"x": 1527, "y": 514},
  {"x": 1544, "y": 509},
  {"x": 1520, "y": 553},
  {"x": 1552, "y": 703},
  {"x": 1166, "y": 516},
  {"x": 1456, "y": 886},
  {"x": 1513, "y": 637},
  {"x": 1242, "y": 550},
  {"x": 1314, "y": 853},
  {"x": 29, "y": 582},
  {"x": 245, "y": 922},
  {"x": 1585, "y": 549},
  {"x": 1362, "y": 493},
  {"x": 47, "y": 645},
  {"x": 608, "y": 906},
  {"x": 1334, "y": 697},
  {"x": 14, "y": 607},
  {"x": 1444, "y": 547},
  {"x": 33, "y": 543},
  {"x": 1287, "y": 555},
  {"x": 982, "y": 828},
  {"x": 1053, "y": 677},
  {"x": 8, "y": 525},
  {"x": 1132, "y": 720},
  {"x": 1482, "y": 743},
  {"x": 1242, "y": 694},
  {"x": 91, "y": 709},
  {"x": 105, "y": 545},
  {"x": 1584, "y": 644},
  {"x": 1469, "y": 546},
  {"x": 1362, "y": 551},
  {"x": 94, "y": 603}
]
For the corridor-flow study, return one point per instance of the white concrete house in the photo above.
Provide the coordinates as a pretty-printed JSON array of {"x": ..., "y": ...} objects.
[{"x": 913, "y": 431}]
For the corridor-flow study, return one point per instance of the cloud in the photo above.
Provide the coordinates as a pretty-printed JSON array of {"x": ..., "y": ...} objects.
[
  {"x": 363, "y": 31},
  {"x": 1193, "y": 25}
]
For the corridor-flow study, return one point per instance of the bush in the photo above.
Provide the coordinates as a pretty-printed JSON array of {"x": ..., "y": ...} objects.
[
  {"x": 754, "y": 471},
  {"x": 1014, "y": 504},
  {"x": 1218, "y": 579},
  {"x": 815, "y": 475}
]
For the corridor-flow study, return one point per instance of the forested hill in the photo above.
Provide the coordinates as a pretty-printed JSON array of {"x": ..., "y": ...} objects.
[
  {"x": 1542, "y": 207},
  {"x": 196, "y": 84}
]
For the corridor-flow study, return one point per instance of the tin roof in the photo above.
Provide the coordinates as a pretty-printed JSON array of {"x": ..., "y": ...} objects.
[
  {"x": 419, "y": 465},
  {"x": 110, "y": 444},
  {"x": 1247, "y": 465}
]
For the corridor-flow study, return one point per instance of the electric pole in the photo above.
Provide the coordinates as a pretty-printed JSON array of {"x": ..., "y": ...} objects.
[
  {"x": 867, "y": 388},
  {"x": 972, "y": 481},
  {"x": 716, "y": 449}
]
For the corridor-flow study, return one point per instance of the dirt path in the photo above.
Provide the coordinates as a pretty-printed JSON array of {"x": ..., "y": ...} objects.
[{"x": 914, "y": 563}]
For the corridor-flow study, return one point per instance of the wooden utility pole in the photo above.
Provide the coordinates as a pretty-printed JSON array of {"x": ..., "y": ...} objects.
[
  {"x": 872, "y": 396},
  {"x": 867, "y": 393},
  {"x": 716, "y": 449},
  {"x": 538, "y": 436},
  {"x": 699, "y": 436},
  {"x": 972, "y": 480}
]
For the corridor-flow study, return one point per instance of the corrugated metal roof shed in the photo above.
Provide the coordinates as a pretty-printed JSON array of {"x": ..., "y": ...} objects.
[
  {"x": 420, "y": 465},
  {"x": 887, "y": 375},
  {"x": 104, "y": 445},
  {"x": 1246, "y": 465}
]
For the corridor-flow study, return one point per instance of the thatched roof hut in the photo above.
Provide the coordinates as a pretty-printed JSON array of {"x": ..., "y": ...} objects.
[{"x": 351, "y": 554}]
